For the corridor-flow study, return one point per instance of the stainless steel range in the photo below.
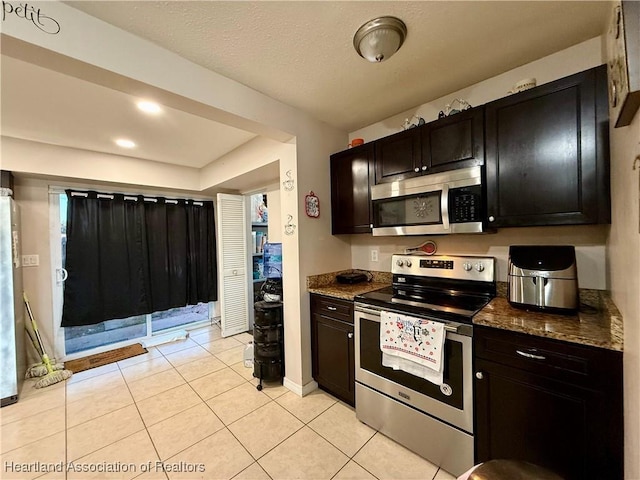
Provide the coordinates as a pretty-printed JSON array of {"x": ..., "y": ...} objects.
[{"x": 435, "y": 421}]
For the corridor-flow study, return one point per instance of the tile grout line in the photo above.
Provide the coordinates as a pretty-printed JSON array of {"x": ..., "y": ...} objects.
[
  {"x": 251, "y": 382},
  {"x": 146, "y": 428}
]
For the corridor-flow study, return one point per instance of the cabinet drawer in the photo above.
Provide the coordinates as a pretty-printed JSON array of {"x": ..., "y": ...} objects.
[
  {"x": 332, "y": 307},
  {"x": 580, "y": 365}
]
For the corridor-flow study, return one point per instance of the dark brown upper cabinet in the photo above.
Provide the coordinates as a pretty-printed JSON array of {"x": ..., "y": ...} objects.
[
  {"x": 398, "y": 156},
  {"x": 547, "y": 154},
  {"x": 452, "y": 142},
  {"x": 351, "y": 171}
]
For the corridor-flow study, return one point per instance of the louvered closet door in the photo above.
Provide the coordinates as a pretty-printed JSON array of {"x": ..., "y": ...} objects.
[{"x": 233, "y": 264}]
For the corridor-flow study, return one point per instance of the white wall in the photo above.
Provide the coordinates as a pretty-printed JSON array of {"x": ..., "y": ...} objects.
[
  {"x": 23, "y": 156},
  {"x": 589, "y": 241},
  {"x": 623, "y": 249},
  {"x": 274, "y": 232}
]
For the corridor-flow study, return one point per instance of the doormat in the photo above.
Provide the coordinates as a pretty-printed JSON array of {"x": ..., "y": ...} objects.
[{"x": 99, "y": 359}]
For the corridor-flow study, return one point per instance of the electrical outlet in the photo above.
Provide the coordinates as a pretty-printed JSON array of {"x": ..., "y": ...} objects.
[
  {"x": 374, "y": 255},
  {"x": 30, "y": 260}
]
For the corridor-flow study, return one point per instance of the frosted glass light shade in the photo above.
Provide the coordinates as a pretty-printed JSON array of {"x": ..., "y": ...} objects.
[{"x": 380, "y": 38}]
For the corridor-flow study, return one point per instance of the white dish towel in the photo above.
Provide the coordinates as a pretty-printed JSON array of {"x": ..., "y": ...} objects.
[{"x": 413, "y": 345}]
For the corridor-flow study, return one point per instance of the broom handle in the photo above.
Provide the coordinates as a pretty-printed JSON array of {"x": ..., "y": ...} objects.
[
  {"x": 33, "y": 340},
  {"x": 34, "y": 325}
]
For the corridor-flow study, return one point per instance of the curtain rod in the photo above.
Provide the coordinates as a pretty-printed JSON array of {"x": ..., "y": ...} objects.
[{"x": 127, "y": 196}]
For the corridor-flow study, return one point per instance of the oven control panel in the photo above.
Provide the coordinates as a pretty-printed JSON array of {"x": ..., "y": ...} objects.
[
  {"x": 434, "y": 263},
  {"x": 445, "y": 266}
]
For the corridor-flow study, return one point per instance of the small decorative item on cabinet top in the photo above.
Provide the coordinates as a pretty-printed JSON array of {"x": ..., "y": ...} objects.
[
  {"x": 312, "y": 205},
  {"x": 419, "y": 121},
  {"x": 356, "y": 142},
  {"x": 449, "y": 110}
]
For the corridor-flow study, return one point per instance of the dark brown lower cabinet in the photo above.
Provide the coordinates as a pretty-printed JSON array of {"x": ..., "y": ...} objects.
[
  {"x": 332, "y": 346},
  {"x": 551, "y": 403}
]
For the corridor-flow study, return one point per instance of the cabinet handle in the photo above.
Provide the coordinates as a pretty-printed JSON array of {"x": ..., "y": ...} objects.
[
  {"x": 417, "y": 169},
  {"x": 479, "y": 375},
  {"x": 531, "y": 355},
  {"x": 491, "y": 218},
  {"x": 424, "y": 169},
  {"x": 349, "y": 335},
  {"x": 333, "y": 309}
]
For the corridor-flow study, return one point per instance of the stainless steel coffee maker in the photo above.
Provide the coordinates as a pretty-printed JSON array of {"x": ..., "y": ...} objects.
[{"x": 543, "y": 277}]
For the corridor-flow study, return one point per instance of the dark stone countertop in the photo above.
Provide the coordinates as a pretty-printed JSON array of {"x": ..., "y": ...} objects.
[
  {"x": 347, "y": 292},
  {"x": 597, "y": 324},
  {"x": 326, "y": 284}
]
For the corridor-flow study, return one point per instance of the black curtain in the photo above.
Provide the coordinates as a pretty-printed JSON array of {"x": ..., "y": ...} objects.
[{"x": 133, "y": 256}]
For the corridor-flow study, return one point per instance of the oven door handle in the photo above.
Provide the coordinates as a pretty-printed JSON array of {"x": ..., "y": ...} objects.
[
  {"x": 444, "y": 206},
  {"x": 374, "y": 316}
]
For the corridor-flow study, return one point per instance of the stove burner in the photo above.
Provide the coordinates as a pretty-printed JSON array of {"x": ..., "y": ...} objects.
[
  {"x": 441, "y": 287},
  {"x": 458, "y": 307}
]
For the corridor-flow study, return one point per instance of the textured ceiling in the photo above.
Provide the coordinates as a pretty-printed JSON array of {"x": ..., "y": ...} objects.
[{"x": 302, "y": 53}]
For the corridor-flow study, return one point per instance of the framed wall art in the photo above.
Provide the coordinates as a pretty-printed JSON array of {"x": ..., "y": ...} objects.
[
  {"x": 312, "y": 205},
  {"x": 623, "y": 42}
]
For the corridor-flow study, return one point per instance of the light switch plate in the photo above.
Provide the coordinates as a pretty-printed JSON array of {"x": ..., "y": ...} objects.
[{"x": 30, "y": 260}]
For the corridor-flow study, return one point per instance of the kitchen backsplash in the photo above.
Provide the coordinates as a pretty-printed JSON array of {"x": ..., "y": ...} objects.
[{"x": 589, "y": 240}]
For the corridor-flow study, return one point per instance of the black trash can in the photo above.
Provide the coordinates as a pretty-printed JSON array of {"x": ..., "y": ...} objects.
[{"x": 268, "y": 342}]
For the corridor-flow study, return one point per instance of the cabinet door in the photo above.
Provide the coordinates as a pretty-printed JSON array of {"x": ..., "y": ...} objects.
[
  {"x": 350, "y": 198},
  {"x": 546, "y": 154},
  {"x": 398, "y": 156},
  {"x": 454, "y": 142},
  {"x": 333, "y": 356},
  {"x": 522, "y": 416},
  {"x": 549, "y": 402}
]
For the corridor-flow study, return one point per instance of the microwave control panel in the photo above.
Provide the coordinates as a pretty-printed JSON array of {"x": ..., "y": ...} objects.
[{"x": 465, "y": 204}]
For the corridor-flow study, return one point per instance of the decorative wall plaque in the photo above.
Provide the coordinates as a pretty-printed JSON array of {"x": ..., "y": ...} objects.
[{"x": 623, "y": 42}]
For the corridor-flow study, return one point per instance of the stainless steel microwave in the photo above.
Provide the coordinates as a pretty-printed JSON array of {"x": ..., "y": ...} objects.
[{"x": 440, "y": 203}]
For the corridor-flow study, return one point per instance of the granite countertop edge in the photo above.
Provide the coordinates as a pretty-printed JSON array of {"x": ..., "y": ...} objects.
[
  {"x": 598, "y": 324},
  {"x": 326, "y": 284},
  {"x": 345, "y": 291}
]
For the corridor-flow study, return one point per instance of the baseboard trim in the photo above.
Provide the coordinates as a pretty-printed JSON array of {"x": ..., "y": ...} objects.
[{"x": 300, "y": 390}]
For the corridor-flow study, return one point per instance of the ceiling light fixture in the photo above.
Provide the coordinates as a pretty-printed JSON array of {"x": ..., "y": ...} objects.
[
  {"x": 124, "y": 143},
  {"x": 149, "y": 107},
  {"x": 380, "y": 38}
]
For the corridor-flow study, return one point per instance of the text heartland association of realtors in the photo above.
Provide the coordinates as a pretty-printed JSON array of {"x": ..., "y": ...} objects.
[{"x": 103, "y": 467}]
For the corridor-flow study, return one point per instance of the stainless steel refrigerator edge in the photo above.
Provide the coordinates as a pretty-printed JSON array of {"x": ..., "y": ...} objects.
[{"x": 12, "y": 346}]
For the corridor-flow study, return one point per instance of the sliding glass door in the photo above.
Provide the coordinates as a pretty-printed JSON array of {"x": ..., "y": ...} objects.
[{"x": 84, "y": 340}]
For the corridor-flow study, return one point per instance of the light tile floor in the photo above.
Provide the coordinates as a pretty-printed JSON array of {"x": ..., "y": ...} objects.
[{"x": 192, "y": 407}]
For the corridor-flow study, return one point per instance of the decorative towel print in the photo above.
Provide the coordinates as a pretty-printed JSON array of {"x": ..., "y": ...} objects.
[{"x": 414, "y": 339}]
